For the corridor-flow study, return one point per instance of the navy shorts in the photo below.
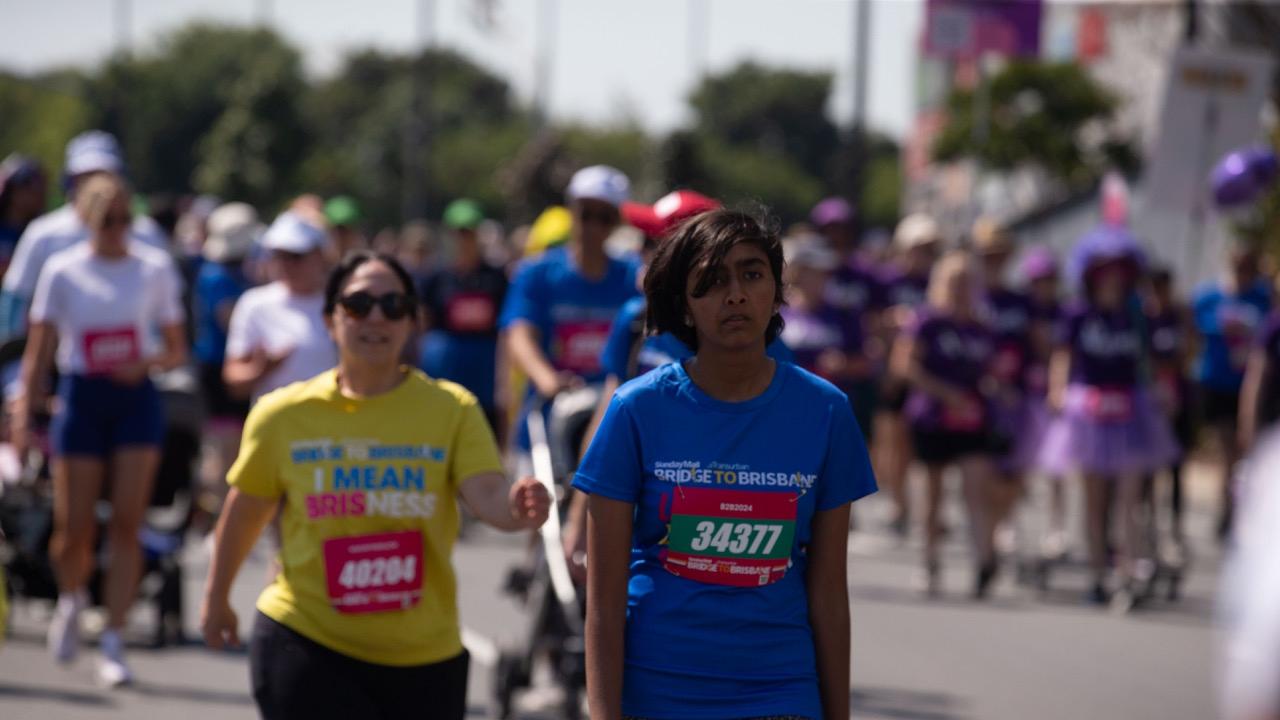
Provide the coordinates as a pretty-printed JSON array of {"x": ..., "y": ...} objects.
[{"x": 98, "y": 417}]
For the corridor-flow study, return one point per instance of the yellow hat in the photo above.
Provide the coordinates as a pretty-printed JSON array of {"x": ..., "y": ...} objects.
[{"x": 549, "y": 230}]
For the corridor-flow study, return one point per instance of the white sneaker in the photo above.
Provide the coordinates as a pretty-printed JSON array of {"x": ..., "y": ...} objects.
[
  {"x": 64, "y": 627},
  {"x": 112, "y": 670}
]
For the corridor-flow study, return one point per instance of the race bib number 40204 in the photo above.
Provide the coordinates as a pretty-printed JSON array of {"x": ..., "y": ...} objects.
[
  {"x": 374, "y": 573},
  {"x": 730, "y": 537}
]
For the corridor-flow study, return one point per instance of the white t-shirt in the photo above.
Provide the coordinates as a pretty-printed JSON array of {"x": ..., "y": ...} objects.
[
  {"x": 1249, "y": 686},
  {"x": 108, "y": 311},
  {"x": 54, "y": 232},
  {"x": 271, "y": 318}
]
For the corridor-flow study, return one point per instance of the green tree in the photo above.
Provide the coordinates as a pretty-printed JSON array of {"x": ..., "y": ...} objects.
[
  {"x": 763, "y": 135},
  {"x": 41, "y": 114},
  {"x": 212, "y": 108},
  {"x": 358, "y": 119},
  {"x": 1041, "y": 114}
]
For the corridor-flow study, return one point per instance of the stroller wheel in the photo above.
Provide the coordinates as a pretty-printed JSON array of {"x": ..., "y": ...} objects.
[{"x": 509, "y": 675}]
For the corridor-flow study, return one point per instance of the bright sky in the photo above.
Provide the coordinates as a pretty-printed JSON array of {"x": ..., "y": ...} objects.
[{"x": 614, "y": 59}]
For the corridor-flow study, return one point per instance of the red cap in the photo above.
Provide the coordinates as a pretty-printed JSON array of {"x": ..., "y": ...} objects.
[{"x": 670, "y": 210}]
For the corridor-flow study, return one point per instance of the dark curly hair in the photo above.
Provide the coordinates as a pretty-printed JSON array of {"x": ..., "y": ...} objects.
[{"x": 694, "y": 247}]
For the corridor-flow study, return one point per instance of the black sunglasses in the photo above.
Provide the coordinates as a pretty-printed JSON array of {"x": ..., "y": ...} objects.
[
  {"x": 394, "y": 305},
  {"x": 600, "y": 217}
]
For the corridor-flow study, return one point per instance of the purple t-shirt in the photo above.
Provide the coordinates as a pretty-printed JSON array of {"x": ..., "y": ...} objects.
[
  {"x": 1043, "y": 332},
  {"x": 959, "y": 353},
  {"x": 1009, "y": 317},
  {"x": 1269, "y": 395},
  {"x": 810, "y": 332},
  {"x": 900, "y": 288},
  {"x": 1106, "y": 347},
  {"x": 855, "y": 288}
]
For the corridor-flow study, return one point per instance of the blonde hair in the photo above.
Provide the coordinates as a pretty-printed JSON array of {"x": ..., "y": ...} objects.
[
  {"x": 95, "y": 196},
  {"x": 938, "y": 294}
]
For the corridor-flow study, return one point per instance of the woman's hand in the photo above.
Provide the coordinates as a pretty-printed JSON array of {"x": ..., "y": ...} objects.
[
  {"x": 529, "y": 502},
  {"x": 219, "y": 624},
  {"x": 130, "y": 374}
]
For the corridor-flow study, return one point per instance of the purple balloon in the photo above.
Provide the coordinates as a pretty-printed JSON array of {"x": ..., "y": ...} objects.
[
  {"x": 1264, "y": 165},
  {"x": 1233, "y": 180}
]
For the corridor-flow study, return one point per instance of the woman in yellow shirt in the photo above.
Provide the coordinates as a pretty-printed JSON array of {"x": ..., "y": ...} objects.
[{"x": 369, "y": 459}]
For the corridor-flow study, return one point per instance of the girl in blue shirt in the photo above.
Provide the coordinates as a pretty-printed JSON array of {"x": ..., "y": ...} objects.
[{"x": 719, "y": 509}]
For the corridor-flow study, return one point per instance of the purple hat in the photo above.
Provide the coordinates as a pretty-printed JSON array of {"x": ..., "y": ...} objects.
[
  {"x": 1039, "y": 263},
  {"x": 830, "y": 211},
  {"x": 1103, "y": 244}
]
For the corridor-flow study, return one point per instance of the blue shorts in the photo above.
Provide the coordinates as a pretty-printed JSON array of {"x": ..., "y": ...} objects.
[{"x": 98, "y": 416}]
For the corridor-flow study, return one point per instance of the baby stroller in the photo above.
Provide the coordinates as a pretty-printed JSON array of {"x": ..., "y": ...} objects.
[
  {"x": 26, "y": 512},
  {"x": 554, "y": 603}
]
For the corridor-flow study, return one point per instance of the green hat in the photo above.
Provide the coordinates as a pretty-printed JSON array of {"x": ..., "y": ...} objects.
[
  {"x": 342, "y": 210},
  {"x": 463, "y": 214}
]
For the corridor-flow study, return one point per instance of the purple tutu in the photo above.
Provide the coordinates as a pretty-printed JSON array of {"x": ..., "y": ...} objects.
[
  {"x": 1107, "y": 432},
  {"x": 1024, "y": 423}
]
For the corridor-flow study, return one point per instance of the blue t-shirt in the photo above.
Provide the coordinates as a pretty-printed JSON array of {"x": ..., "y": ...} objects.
[
  {"x": 215, "y": 284},
  {"x": 656, "y": 350},
  {"x": 724, "y": 496},
  {"x": 1229, "y": 323},
  {"x": 573, "y": 314}
]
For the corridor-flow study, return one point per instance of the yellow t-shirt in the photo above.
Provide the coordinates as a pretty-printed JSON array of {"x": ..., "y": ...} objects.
[{"x": 362, "y": 479}]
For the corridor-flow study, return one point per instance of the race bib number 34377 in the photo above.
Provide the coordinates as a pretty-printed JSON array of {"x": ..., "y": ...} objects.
[{"x": 730, "y": 537}]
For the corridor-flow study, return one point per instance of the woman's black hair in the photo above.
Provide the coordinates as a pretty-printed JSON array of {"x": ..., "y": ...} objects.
[
  {"x": 698, "y": 246},
  {"x": 338, "y": 277}
]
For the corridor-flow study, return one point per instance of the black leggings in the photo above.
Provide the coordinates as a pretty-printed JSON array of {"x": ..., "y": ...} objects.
[{"x": 294, "y": 677}]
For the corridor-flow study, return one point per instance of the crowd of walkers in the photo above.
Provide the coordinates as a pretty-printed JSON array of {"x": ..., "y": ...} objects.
[{"x": 747, "y": 380}]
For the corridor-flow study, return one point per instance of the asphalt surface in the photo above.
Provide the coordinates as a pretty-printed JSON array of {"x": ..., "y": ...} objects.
[{"x": 1024, "y": 653}]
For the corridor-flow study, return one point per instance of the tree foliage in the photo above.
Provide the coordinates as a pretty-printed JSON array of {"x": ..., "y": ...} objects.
[
  {"x": 227, "y": 111},
  {"x": 1051, "y": 115}
]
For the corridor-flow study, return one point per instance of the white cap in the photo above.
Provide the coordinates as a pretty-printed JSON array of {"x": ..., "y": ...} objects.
[
  {"x": 93, "y": 151},
  {"x": 916, "y": 230},
  {"x": 291, "y": 233},
  {"x": 233, "y": 228},
  {"x": 599, "y": 182},
  {"x": 811, "y": 252}
]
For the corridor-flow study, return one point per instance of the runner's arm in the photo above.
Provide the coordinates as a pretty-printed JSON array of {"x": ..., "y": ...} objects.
[
  {"x": 1059, "y": 375},
  {"x": 521, "y": 506},
  {"x": 575, "y": 522},
  {"x": 526, "y": 353},
  {"x": 242, "y": 520},
  {"x": 1250, "y": 390},
  {"x": 828, "y": 590},
  {"x": 608, "y": 565},
  {"x": 907, "y": 365}
]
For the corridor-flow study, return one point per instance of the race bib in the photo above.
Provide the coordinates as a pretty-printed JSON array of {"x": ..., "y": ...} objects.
[
  {"x": 374, "y": 573},
  {"x": 1109, "y": 405},
  {"x": 579, "y": 345},
  {"x": 1007, "y": 363},
  {"x": 967, "y": 418},
  {"x": 106, "y": 350},
  {"x": 471, "y": 312},
  {"x": 730, "y": 537},
  {"x": 1169, "y": 383}
]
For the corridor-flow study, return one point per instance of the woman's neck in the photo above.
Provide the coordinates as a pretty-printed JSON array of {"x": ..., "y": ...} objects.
[
  {"x": 591, "y": 261},
  {"x": 108, "y": 252},
  {"x": 733, "y": 376},
  {"x": 359, "y": 380}
]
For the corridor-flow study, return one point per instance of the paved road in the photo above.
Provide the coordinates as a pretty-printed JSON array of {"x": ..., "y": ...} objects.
[{"x": 1020, "y": 655}]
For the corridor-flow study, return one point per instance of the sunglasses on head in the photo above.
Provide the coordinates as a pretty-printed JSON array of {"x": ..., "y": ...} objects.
[{"x": 394, "y": 305}]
